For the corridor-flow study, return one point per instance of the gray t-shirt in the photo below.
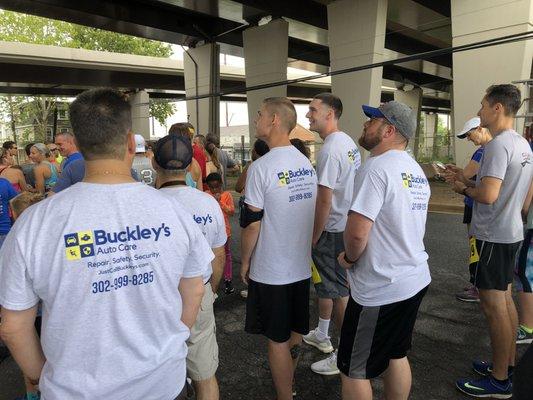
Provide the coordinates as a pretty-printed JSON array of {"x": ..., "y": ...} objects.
[
  {"x": 507, "y": 157},
  {"x": 225, "y": 162},
  {"x": 143, "y": 167}
]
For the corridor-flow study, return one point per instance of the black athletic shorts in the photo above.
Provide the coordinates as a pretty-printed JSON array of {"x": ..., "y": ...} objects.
[
  {"x": 372, "y": 336},
  {"x": 277, "y": 310},
  {"x": 492, "y": 264},
  {"x": 467, "y": 215},
  {"x": 524, "y": 267}
]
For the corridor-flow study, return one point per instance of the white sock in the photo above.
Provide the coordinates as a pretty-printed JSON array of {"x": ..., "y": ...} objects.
[{"x": 323, "y": 328}]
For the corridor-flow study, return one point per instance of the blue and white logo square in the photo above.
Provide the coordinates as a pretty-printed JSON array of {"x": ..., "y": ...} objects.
[{"x": 79, "y": 245}]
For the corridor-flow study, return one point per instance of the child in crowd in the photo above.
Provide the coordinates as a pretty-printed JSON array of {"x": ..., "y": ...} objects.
[
  {"x": 224, "y": 198},
  {"x": 18, "y": 204}
]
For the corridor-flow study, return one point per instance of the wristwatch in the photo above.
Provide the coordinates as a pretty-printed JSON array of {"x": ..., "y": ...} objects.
[{"x": 348, "y": 260}]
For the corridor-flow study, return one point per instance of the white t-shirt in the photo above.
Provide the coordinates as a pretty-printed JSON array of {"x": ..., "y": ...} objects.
[
  {"x": 391, "y": 190},
  {"x": 336, "y": 166},
  {"x": 283, "y": 184},
  {"x": 205, "y": 211},
  {"x": 106, "y": 260}
]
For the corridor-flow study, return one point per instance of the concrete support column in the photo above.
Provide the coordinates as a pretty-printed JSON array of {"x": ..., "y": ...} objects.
[
  {"x": 201, "y": 68},
  {"x": 431, "y": 134},
  {"x": 265, "y": 58},
  {"x": 475, "y": 70},
  {"x": 140, "y": 113},
  {"x": 412, "y": 98},
  {"x": 356, "y": 33}
]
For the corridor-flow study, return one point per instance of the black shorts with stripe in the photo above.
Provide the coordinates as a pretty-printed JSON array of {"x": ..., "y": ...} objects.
[
  {"x": 495, "y": 268},
  {"x": 372, "y": 336}
]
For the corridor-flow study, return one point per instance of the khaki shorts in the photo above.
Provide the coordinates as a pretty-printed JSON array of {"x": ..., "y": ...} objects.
[{"x": 202, "y": 357}]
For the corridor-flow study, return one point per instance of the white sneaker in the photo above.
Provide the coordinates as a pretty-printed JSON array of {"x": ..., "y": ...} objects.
[
  {"x": 327, "y": 366},
  {"x": 323, "y": 345},
  {"x": 244, "y": 293}
]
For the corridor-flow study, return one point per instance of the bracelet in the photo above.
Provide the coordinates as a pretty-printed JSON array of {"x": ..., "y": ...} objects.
[{"x": 348, "y": 260}]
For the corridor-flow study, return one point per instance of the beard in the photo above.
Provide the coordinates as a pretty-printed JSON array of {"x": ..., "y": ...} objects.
[{"x": 368, "y": 143}]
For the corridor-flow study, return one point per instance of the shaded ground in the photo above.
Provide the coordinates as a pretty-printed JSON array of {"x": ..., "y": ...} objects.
[{"x": 448, "y": 334}]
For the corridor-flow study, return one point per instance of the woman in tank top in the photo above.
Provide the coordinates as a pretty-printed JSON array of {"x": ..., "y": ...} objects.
[
  {"x": 45, "y": 172},
  {"x": 12, "y": 173}
]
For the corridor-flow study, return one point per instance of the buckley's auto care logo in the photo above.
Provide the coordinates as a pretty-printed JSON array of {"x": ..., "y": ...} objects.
[
  {"x": 84, "y": 244},
  {"x": 286, "y": 177},
  {"x": 409, "y": 180},
  {"x": 352, "y": 155},
  {"x": 79, "y": 245},
  {"x": 526, "y": 159}
]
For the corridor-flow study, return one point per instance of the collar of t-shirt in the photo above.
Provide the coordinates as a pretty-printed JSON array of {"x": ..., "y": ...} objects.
[{"x": 331, "y": 135}]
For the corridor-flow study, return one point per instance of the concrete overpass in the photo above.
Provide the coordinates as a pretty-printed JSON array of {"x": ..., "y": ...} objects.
[
  {"x": 58, "y": 71},
  {"x": 317, "y": 35}
]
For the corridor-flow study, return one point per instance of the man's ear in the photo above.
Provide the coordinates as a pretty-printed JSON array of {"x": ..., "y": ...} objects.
[{"x": 131, "y": 143}]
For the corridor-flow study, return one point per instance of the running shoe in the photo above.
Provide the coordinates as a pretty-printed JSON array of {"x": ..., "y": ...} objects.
[
  {"x": 323, "y": 345},
  {"x": 484, "y": 368},
  {"x": 469, "y": 296},
  {"x": 228, "y": 287},
  {"x": 522, "y": 336},
  {"x": 327, "y": 366},
  {"x": 485, "y": 387},
  {"x": 244, "y": 293}
]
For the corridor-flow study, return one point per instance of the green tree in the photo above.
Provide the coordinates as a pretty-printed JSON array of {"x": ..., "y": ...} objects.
[{"x": 17, "y": 27}]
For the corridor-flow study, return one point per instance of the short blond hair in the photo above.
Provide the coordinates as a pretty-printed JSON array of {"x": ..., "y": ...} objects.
[
  {"x": 284, "y": 109},
  {"x": 23, "y": 200}
]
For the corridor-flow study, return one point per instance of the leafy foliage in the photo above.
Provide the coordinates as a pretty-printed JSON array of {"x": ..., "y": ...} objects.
[{"x": 16, "y": 27}]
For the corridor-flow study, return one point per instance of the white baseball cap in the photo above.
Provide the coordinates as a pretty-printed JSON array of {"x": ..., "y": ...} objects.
[
  {"x": 140, "y": 144},
  {"x": 472, "y": 123}
]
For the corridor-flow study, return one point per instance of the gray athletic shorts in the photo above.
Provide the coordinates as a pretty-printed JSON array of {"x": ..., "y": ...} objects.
[{"x": 334, "y": 283}]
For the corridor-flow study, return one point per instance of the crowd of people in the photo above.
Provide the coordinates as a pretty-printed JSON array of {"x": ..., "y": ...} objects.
[{"x": 121, "y": 246}]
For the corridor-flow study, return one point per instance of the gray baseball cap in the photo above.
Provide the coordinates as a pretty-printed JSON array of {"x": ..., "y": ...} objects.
[{"x": 398, "y": 114}]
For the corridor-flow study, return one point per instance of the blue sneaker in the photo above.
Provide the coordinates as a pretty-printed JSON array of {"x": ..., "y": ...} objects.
[
  {"x": 485, "y": 387},
  {"x": 484, "y": 368}
]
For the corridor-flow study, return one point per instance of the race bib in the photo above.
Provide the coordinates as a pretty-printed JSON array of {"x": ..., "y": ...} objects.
[
  {"x": 474, "y": 256},
  {"x": 315, "y": 276}
]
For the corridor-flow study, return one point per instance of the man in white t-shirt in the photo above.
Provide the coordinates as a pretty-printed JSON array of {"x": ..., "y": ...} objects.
[
  {"x": 337, "y": 164},
  {"x": 385, "y": 257},
  {"x": 173, "y": 154},
  {"x": 496, "y": 233},
  {"x": 120, "y": 287},
  {"x": 277, "y": 221}
]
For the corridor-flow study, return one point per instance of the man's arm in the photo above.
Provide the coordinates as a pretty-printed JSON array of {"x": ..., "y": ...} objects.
[
  {"x": 18, "y": 332},
  {"x": 527, "y": 202},
  {"x": 323, "y": 207},
  {"x": 486, "y": 192},
  {"x": 355, "y": 238},
  {"x": 249, "y": 236},
  {"x": 218, "y": 264},
  {"x": 241, "y": 181},
  {"x": 192, "y": 291}
]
